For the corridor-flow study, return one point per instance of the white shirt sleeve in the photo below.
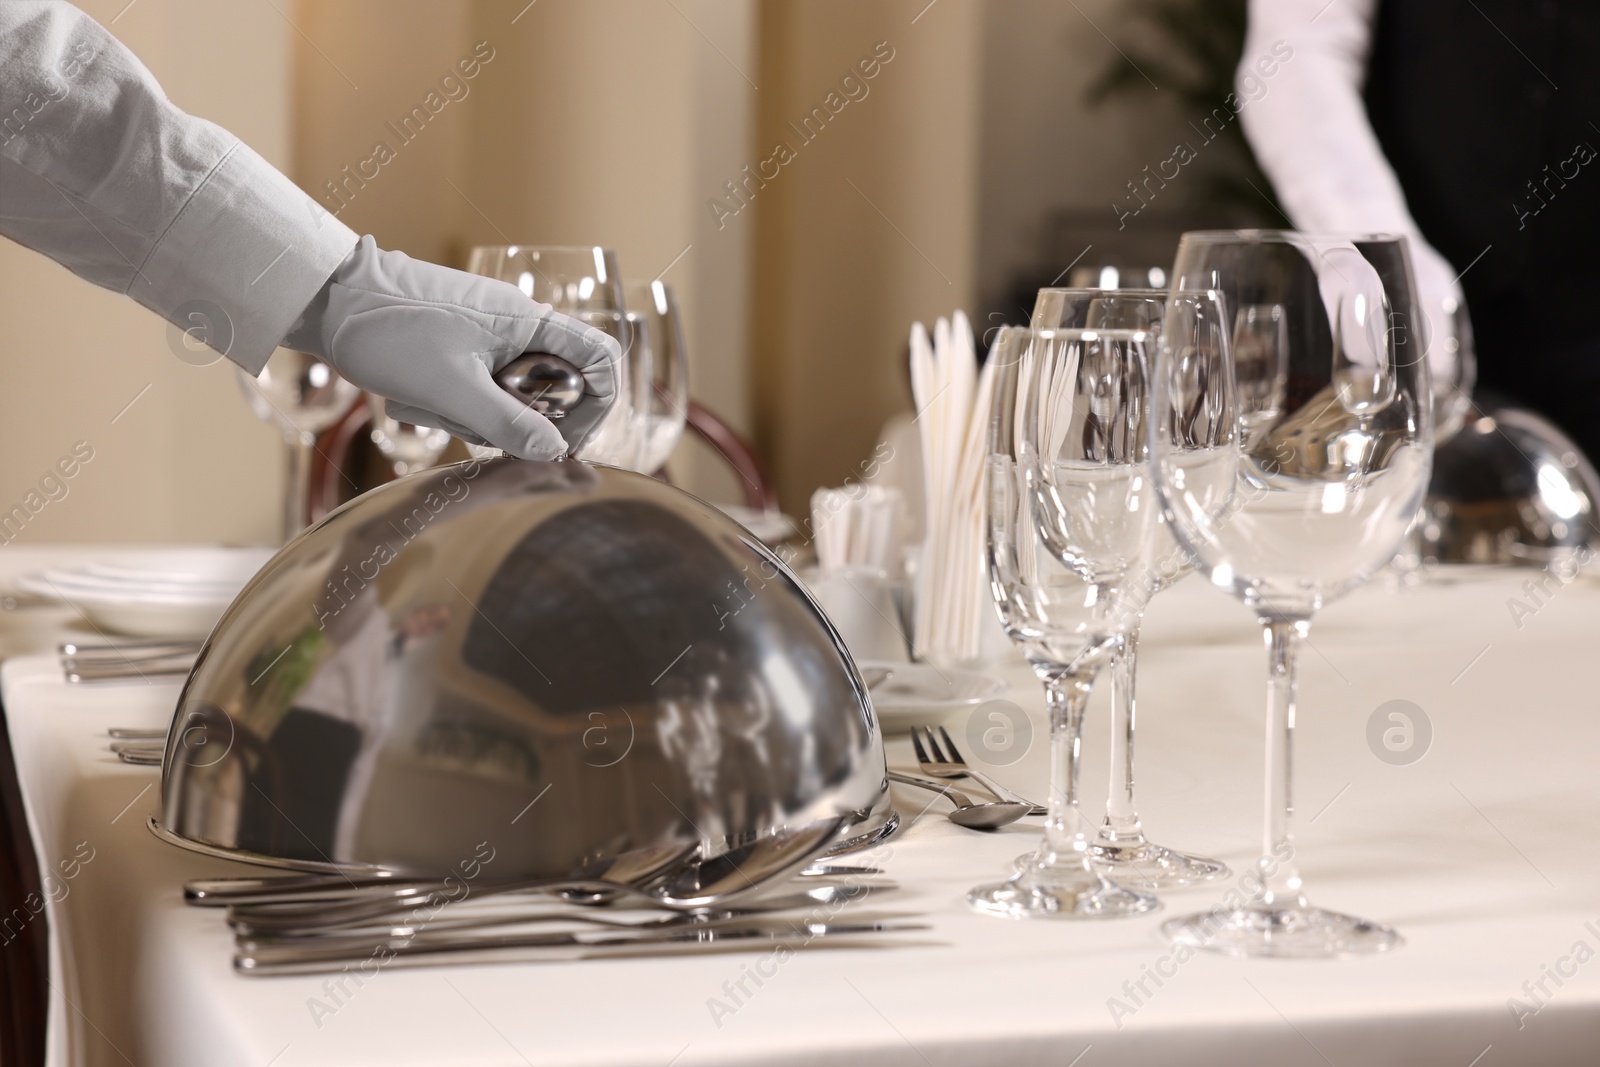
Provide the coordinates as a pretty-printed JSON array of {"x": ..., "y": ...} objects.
[
  {"x": 1309, "y": 130},
  {"x": 100, "y": 172}
]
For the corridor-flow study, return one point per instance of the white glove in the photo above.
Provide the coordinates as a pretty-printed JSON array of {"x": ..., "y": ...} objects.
[
  {"x": 430, "y": 339},
  {"x": 1353, "y": 296}
]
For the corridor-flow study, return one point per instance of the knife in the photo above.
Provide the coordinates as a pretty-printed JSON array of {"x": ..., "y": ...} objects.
[{"x": 555, "y": 948}]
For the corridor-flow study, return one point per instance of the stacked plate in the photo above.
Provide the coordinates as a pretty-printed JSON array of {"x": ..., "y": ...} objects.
[{"x": 165, "y": 593}]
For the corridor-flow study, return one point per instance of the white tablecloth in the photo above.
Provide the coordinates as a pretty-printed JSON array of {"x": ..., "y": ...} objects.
[{"x": 1483, "y": 853}]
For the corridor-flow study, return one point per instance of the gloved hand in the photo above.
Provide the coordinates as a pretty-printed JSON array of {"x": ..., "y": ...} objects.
[
  {"x": 1353, "y": 296},
  {"x": 430, "y": 340}
]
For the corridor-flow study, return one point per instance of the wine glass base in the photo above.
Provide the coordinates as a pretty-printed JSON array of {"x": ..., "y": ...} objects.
[
  {"x": 1151, "y": 867},
  {"x": 1299, "y": 932},
  {"x": 1058, "y": 891}
]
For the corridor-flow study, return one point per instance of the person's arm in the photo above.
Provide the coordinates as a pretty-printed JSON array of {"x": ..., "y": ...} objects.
[
  {"x": 1309, "y": 130},
  {"x": 100, "y": 172}
]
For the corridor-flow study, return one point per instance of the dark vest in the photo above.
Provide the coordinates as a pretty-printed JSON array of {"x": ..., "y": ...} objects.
[{"x": 1489, "y": 111}]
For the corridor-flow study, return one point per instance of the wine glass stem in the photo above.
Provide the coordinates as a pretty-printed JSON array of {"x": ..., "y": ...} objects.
[
  {"x": 297, "y": 488},
  {"x": 1121, "y": 827},
  {"x": 1066, "y": 696},
  {"x": 1279, "y": 875}
]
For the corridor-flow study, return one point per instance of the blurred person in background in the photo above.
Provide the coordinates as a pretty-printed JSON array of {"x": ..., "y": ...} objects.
[
  {"x": 100, "y": 172},
  {"x": 1470, "y": 127}
]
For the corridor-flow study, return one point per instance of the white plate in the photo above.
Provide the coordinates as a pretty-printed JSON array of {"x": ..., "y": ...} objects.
[
  {"x": 224, "y": 566},
  {"x": 918, "y": 693},
  {"x": 154, "y": 618},
  {"x": 171, "y": 593}
]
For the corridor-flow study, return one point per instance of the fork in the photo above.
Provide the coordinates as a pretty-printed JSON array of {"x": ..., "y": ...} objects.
[{"x": 947, "y": 763}]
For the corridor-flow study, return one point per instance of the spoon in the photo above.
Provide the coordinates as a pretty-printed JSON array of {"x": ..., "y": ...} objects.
[{"x": 966, "y": 813}]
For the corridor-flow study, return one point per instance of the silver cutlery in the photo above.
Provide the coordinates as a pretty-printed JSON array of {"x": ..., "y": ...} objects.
[
  {"x": 576, "y": 946},
  {"x": 987, "y": 816},
  {"x": 139, "y": 748},
  {"x": 142, "y": 747},
  {"x": 126, "y": 672},
  {"x": 307, "y": 888},
  {"x": 677, "y": 878},
  {"x": 138, "y": 665},
  {"x": 225, "y": 892},
  {"x": 133, "y": 657},
  {"x": 114, "y": 648},
  {"x": 947, "y": 763},
  {"x": 385, "y": 908},
  {"x": 142, "y": 658},
  {"x": 424, "y": 937},
  {"x": 838, "y": 870},
  {"x": 465, "y": 915}
]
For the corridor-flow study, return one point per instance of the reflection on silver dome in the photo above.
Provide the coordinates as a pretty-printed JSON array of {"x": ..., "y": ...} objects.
[
  {"x": 1509, "y": 488},
  {"x": 543, "y": 656}
]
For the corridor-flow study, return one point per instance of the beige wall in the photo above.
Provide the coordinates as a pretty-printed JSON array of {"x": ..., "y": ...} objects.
[
  {"x": 188, "y": 462},
  {"x": 869, "y": 228},
  {"x": 1045, "y": 149},
  {"x": 362, "y": 64}
]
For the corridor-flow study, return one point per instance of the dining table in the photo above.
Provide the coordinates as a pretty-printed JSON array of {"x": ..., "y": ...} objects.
[{"x": 1447, "y": 739}]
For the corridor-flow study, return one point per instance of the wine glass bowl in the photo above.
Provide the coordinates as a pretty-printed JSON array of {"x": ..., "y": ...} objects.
[
  {"x": 658, "y": 331},
  {"x": 570, "y": 278},
  {"x": 1261, "y": 362},
  {"x": 1298, "y": 508},
  {"x": 302, "y": 396},
  {"x": 408, "y": 448},
  {"x": 298, "y": 392}
]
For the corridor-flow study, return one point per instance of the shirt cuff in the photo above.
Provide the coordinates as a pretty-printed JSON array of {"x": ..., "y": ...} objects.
[{"x": 242, "y": 259}]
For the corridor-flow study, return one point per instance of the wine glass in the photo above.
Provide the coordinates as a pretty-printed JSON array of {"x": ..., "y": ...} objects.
[
  {"x": 582, "y": 282},
  {"x": 302, "y": 396},
  {"x": 407, "y": 447},
  {"x": 1120, "y": 846},
  {"x": 1294, "y": 516},
  {"x": 570, "y": 278},
  {"x": 1261, "y": 365},
  {"x": 658, "y": 331},
  {"x": 1063, "y": 620}
]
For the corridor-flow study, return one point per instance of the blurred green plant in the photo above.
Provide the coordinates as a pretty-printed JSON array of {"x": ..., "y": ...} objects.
[
  {"x": 1192, "y": 48},
  {"x": 274, "y": 683}
]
